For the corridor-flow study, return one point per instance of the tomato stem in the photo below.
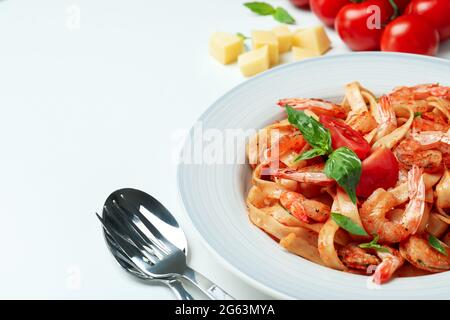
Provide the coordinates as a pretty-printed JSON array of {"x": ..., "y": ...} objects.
[{"x": 396, "y": 10}]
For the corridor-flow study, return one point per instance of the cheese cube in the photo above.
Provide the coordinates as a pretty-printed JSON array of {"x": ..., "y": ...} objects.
[
  {"x": 314, "y": 39},
  {"x": 225, "y": 47},
  {"x": 284, "y": 37},
  {"x": 302, "y": 53},
  {"x": 254, "y": 61},
  {"x": 269, "y": 39}
]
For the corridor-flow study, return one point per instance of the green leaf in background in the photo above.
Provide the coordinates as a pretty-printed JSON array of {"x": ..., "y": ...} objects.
[
  {"x": 436, "y": 244},
  {"x": 281, "y": 15},
  {"x": 261, "y": 8},
  {"x": 344, "y": 166},
  {"x": 374, "y": 245},
  {"x": 265, "y": 9},
  {"x": 243, "y": 37},
  {"x": 310, "y": 154},
  {"x": 348, "y": 224},
  {"x": 312, "y": 130},
  {"x": 395, "y": 9}
]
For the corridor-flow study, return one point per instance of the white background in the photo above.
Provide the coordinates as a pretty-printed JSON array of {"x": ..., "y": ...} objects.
[{"x": 90, "y": 109}]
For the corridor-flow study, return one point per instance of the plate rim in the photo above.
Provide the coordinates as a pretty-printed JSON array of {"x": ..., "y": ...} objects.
[{"x": 228, "y": 265}]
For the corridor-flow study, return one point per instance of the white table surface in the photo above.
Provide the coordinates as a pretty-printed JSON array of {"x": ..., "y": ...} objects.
[{"x": 92, "y": 107}]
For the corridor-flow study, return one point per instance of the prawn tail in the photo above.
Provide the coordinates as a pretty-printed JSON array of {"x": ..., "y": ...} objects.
[
  {"x": 292, "y": 201},
  {"x": 384, "y": 271},
  {"x": 414, "y": 181},
  {"x": 416, "y": 207}
]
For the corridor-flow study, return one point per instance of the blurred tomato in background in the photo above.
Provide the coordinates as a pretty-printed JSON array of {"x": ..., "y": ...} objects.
[
  {"x": 410, "y": 26},
  {"x": 359, "y": 26},
  {"x": 436, "y": 12},
  {"x": 300, "y": 3},
  {"x": 327, "y": 10},
  {"x": 411, "y": 34}
]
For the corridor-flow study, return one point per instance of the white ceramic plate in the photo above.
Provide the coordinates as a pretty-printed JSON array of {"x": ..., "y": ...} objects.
[{"x": 214, "y": 194}]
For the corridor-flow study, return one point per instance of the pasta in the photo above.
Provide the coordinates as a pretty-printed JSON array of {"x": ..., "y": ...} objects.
[{"x": 362, "y": 186}]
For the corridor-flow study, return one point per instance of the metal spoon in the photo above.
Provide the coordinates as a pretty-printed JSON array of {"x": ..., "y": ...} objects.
[{"x": 151, "y": 239}]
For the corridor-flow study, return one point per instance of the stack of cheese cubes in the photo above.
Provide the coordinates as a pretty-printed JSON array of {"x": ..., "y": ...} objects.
[{"x": 267, "y": 47}]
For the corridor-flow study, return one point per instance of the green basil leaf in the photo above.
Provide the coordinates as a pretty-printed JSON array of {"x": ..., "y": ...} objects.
[
  {"x": 310, "y": 154},
  {"x": 374, "y": 245},
  {"x": 261, "y": 8},
  {"x": 344, "y": 166},
  {"x": 242, "y": 36},
  {"x": 436, "y": 244},
  {"x": 348, "y": 224},
  {"x": 417, "y": 114},
  {"x": 281, "y": 15},
  {"x": 375, "y": 239},
  {"x": 312, "y": 130}
]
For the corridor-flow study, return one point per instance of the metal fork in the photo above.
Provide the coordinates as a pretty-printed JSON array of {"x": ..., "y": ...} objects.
[
  {"x": 143, "y": 243},
  {"x": 176, "y": 285}
]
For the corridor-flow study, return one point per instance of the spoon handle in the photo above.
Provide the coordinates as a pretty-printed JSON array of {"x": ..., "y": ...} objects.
[
  {"x": 208, "y": 287},
  {"x": 180, "y": 291}
]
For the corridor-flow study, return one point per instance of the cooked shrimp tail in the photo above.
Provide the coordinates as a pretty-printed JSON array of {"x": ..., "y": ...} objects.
[
  {"x": 304, "y": 209},
  {"x": 318, "y": 106},
  {"x": 391, "y": 260},
  {"x": 387, "y": 119},
  {"x": 416, "y": 205}
]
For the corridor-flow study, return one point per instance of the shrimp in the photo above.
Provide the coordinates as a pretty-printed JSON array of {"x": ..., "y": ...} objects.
[
  {"x": 316, "y": 105},
  {"x": 385, "y": 117},
  {"x": 432, "y": 139},
  {"x": 386, "y": 261},
  {"x": 272, "y": 147},
  {"x": 303, "y": 208},
  {"x": 417, "y": 250},
  {"x": 435, "y": 117},
  {"x": 420, "y": 99},
  {"x": 311, "y": 174},
  {"x": 355, "y": 257},
  {"x": 293, "y": 142},
  {"x": 436, "y": 140},
  {"x": 424, "y": 124},
  {"x": 374, "y": 210},
  {"x": 391, "y": 260},
  {"x": 362, "y": 122},
  {"x": 410, "y": 152},
  {"x": 403, "y": 95}
]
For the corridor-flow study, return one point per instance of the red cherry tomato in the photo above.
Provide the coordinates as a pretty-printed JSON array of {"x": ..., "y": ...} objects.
[
  {"x": 379, "y": 170},
  {"x": 343, "y": 135},
  {"x": 436, "y": 12},
  {"x": 327, "y": 10},
  {"x": 411, "y": 34},
  {"x": 360, "y": 25},
  {"x": 300, "y": 3}
]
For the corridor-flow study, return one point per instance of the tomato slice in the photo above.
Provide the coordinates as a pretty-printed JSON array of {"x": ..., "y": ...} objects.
[
  {"x": 379, "y": 170},
  {"x": 343, "y": 135}
]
